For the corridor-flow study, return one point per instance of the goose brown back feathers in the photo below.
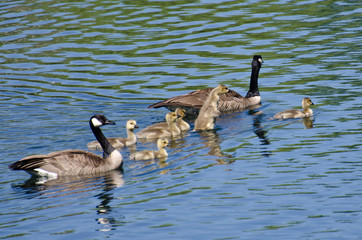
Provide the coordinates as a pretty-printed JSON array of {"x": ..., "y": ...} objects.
[
  {"x": 231, "y": 101},
  {"x": 67, "y": 162}
]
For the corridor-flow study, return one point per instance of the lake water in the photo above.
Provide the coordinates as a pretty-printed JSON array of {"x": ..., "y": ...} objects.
[{"x": 251, "y": 178}]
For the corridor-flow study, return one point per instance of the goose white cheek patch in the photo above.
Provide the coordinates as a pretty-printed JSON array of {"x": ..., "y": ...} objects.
[{"x": 96, "y": 122}]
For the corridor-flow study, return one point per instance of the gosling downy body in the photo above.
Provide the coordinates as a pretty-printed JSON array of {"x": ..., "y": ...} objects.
[
  {"x": 150, "y": 154},
  {"x": 307, "y": 112},
  {"x": 209, "y": 111},
  {"x": 181, "y": 124},
  {"x": 232, "y": 101},
  {"x": 152, "y": 132},
  {"x": 74, "y": 162},
  {"x": 119, "y": 142}
]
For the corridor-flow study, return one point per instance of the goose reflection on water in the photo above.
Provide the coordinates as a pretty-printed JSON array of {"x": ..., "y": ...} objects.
[
  {"x": 211, "y": 139},
  {"x": 66, "y": 188},
  {"x": 104, "y": 212},
  {"x": 67, "y": 185}
]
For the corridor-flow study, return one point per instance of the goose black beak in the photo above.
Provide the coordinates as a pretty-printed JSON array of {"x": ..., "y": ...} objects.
[{"x": 109, "y": 122}]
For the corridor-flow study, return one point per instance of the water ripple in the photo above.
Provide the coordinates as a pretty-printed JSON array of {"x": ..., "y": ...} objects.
[{"x": 62, "y": 62}]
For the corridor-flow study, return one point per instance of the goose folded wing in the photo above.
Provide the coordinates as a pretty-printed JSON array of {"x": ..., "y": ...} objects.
[
  {"x": 194, "y": 99},
  {"x": 29, "y": 163},
  {"x": 61, "y": 160}
]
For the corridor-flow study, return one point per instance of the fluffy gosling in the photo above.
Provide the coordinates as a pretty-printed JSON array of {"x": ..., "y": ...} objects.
[
  {"x": 209, "y": 110},
  {"x": 151, "y": 154},
  {"x": 307, "y": 112},
  {"x": 119, "y": 142}
]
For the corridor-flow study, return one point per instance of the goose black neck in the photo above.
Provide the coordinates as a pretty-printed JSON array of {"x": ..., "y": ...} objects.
[
  {"x": 106, "y": 146},
  {"x": 253, "y": 87}
]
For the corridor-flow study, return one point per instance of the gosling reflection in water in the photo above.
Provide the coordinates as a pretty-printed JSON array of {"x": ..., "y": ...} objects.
[
  {"x": 212, "y": 141},
  {"x": 308, "y": 122}
]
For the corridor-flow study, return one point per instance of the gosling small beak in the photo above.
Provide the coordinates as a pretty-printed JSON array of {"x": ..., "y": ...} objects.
[
  {"x": 178, "y": 116},
  {"x": 136, "y": 126}
]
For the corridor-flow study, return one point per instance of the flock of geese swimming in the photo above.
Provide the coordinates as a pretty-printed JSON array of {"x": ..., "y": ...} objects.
[{"x": 207, "y": 104}]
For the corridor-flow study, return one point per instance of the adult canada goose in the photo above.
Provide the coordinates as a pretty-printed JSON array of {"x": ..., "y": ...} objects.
[
  {"x": 153, "y": 131},
  {"x": 209, "y": 111},
  {"x": 150, "y": 154},
  {"x": 181, "y": 124},
  {"x": 307, "y": 112},
  {"x": 74, "y": 162},
  {"x": 118, "y": 142},
  {"x": 232, "y": 101}
]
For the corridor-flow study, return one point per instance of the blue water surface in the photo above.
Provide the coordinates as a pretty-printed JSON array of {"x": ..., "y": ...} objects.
[{"x": 251, "y": 178}]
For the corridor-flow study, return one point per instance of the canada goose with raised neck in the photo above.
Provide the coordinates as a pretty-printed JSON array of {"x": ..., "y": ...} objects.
[
  {"x": 232, "y": 101},
  {"x": 74, "y": 162},
  {"x": 119, "y": 142},
  {"x": 307, "y": 111},
  {"x": 153, "y": 131},
  {"x": 209, "y": 111},
  {"x": 151, "y": 154}
]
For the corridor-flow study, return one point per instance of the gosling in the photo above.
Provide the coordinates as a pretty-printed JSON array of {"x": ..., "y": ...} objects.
[
  {"x": 118, "y": 142},
  {"x": 307, "y": 112},
  {"x": 209, "y": 110},
  {"x": 153, "y": 131},
  {"x": 150, "y": 154},
  {"x": 181, "y": 124}
]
